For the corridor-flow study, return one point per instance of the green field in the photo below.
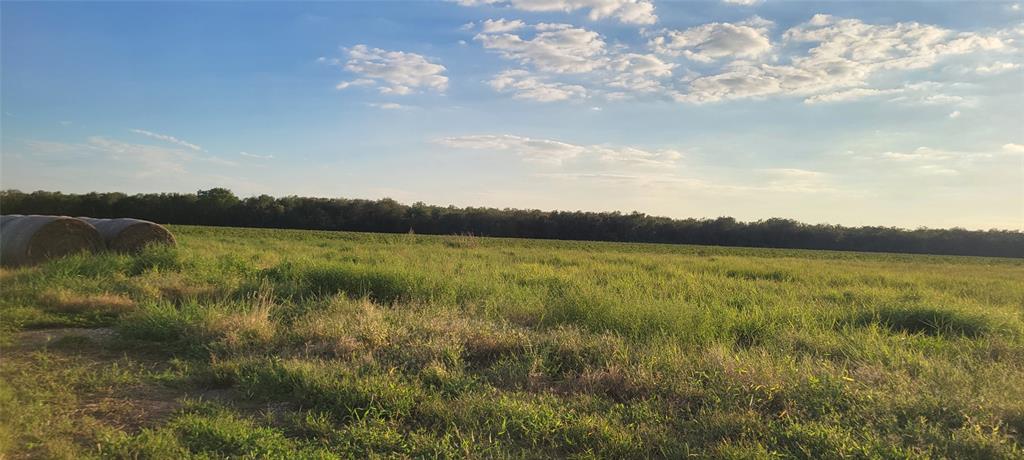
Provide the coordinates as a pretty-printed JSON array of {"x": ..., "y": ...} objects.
[{"x": 246, "y": 343}]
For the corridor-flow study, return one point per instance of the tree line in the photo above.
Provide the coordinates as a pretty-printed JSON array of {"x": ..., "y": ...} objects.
[{"x": 220, "y": 207}]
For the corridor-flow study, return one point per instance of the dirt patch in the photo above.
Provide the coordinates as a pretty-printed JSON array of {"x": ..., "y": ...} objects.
[
  {"x": 129, "y": 407},
  {"x": 68, "y": 302},
  {"x": 132, "y": 409},
  {"x": 45, "y": 337}
]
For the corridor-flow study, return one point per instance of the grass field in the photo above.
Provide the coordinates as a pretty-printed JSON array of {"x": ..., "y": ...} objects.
[{"x": 249, "y": 343}]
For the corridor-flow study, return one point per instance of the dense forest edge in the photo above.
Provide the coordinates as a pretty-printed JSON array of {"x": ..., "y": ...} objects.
[{"x": 221, "y": 207}]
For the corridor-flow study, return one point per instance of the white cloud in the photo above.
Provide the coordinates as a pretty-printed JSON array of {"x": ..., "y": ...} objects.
[
  {"x": 557, "y": 48},
  {"x": 255, "y": 156},
  {"x": 929, "y": 161},
  {"x": 795, "y": 180},
  {"x": 217, "y": 161},
  {"x": 142, "y": 160},
  {"x": 393, "y": 72},
  {"x": 824, "y": 60},
  {"x": 917, "y": 94},
  {"x": 491, "y": 26},
  {"x": 708, "y": 42},
  {"x": 356, "y": 82},
  {"x": 920, "y": 154},
  {"x": 523, "y": 85},
  {"x": 1013, "y": 148},
  {"x": 625, "y": 11},
  {"x": 639, "y": 73},
  {"x": 844, "y": 53},
  {"x": 788, "y": 181},
  {"x": 743, "y": 2},
  {"x": 935, "y": 170},
  {"x": 557, "y": 152},
  {"x": 558, "y": 51},
  {"x": 36, "y": 147},
  {"x": 996, "y": 68},
  {"x": 633, "y": 155},
  {"x": 539, "y": 150},
  {"x": 954, "y": 114},
  {"x": 388, "y": 106},
  {"x": 150, "y": 160},
  {"x": 166, "y": 138},
  {"x": 849, "y": 95}
]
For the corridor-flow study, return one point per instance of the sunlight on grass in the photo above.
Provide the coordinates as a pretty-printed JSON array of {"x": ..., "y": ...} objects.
[{"x": 301, "y": 344}]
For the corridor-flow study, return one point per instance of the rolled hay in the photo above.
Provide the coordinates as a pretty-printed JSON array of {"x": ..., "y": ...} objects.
[
  {"x": 28, "y": 240},
  {"x": 130, "y": 235}
]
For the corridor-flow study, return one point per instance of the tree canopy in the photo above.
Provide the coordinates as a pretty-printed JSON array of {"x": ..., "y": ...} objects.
[{"x": 221, "y": 207}]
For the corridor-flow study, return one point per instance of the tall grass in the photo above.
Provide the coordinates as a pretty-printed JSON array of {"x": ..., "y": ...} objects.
[{"x": 410, "y": 345}]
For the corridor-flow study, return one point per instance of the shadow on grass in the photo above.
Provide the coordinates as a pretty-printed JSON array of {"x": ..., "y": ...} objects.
[
  {"x": 924, "y": 320},
  {"x": 760, "y": 275}
]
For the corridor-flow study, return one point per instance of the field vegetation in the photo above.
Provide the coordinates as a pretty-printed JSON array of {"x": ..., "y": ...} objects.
[{"x": 251, "y": 343}]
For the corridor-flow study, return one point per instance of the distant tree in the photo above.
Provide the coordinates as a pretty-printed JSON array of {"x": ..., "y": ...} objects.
[{"x": 219, "y": 206}]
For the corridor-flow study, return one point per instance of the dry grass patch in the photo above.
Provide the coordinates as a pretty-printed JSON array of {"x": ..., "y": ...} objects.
[
  {"x": 243, "y": 330},
  {"x": 342, "y": 330},
  {"x": 68, "y": 302},
  {"x": 176, "y": 288}
]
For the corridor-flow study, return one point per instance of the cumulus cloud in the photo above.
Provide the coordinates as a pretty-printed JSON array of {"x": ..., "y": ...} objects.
[
  {"x": 743, "y": 2},
  {"x": 491, "y": 26},
  {"x": 557, "y": 48},
  {"x": 625, "y": 11},
  {"x": 823, "y": 60},
  {"x": 556, "y": 152},
  {"x": 843, "y": 54},
  {"x": 639, "y": 73},
  {"x": 166, "y": 138},
  {"x": 392, "y": 72},
  {"x": 708, "y": 42},
  {"x": 555, "y": 51},
  {"x": 523, "y": 85}
]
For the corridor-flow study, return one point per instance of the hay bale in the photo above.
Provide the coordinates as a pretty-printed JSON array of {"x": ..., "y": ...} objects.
[
  {"x": 130, "y": 235},
  {"x": 27, "y": 240},
  {"x": 8, "y": 218}
]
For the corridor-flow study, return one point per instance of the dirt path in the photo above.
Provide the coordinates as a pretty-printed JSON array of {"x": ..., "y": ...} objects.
[{"x": 131, "y": 406}]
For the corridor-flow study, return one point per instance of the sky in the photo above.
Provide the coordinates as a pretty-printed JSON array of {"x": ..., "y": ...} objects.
[{"x": 903, "y": 114}]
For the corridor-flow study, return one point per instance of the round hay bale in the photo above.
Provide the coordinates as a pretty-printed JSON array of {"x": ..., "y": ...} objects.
[
  {"x": 28, "y": 240},
  {"x": 130, "y": 235},
  {"x": 8, "y": 218}
]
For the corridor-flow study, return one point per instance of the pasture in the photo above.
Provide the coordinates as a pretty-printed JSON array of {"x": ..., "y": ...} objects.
[{"x": 254, "y": 343}]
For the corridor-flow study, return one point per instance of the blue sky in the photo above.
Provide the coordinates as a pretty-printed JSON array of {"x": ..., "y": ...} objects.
[{"x": 875, "y": 113}]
